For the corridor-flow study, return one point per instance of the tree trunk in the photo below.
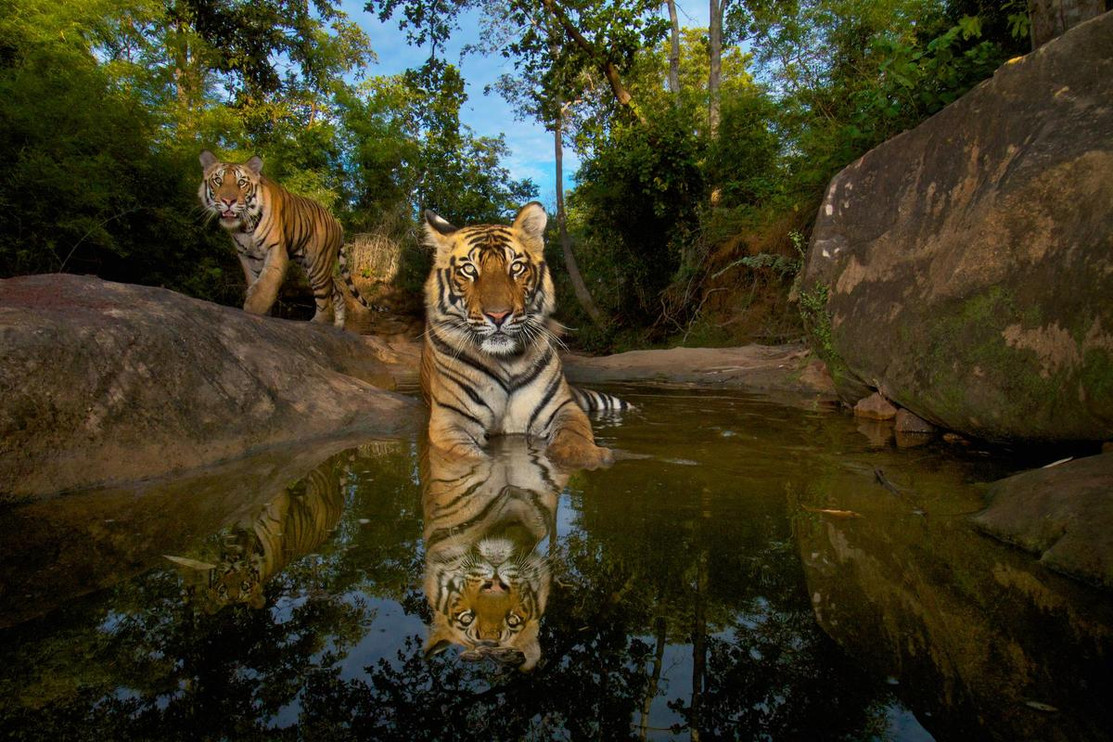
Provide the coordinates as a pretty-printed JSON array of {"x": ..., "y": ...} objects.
[
  {"x": 714, "y": 73},
  {"x": 1050, "y": 18},
  {"x": 715, "y": 67},
  {"x": 578, "y": 285},
  {"x": 674, "y": 51}
]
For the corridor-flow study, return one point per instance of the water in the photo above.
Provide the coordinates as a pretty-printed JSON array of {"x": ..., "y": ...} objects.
[{"x": 743, "y": 575}]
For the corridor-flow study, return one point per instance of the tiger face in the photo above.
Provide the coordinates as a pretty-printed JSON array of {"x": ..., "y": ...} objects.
[
  {"x": 230, "y": 191},
  {"x": 495, "y": 600},
  {"x": 490, "y": 287}
]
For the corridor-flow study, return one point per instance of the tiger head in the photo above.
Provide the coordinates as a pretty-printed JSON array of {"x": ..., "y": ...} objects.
[
  {"x": 490, "y": 287},
  {"x": 230, "y": 190},
  {"x": 494, "y": 599}
]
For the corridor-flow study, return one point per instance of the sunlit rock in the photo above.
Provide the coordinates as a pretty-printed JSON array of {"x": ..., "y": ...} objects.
[
  {"x": 104, "y": 382},
  {"x": 966, "y": 264}
]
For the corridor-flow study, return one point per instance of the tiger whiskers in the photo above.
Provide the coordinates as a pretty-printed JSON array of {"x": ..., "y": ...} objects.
[{"x": 538, "y": 329}]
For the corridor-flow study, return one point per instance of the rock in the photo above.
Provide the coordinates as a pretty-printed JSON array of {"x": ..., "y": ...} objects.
[
  {"x": 1064, "y": 514},
  {"x": 966, "y": 263},
  {"x": 787, "y": 369},
  {"x": 104, "y": 382},
  {"x": 963, "y": 623},
  {"x": 875, "y": 407},
  {"x": 910, "y": 423}
]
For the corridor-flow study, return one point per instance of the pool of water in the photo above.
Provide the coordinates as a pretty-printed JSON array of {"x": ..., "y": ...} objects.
[{"x": 750, "y": 570}]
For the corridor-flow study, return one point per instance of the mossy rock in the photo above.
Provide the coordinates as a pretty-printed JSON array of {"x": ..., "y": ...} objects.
[{"x": 968, "y": 263}]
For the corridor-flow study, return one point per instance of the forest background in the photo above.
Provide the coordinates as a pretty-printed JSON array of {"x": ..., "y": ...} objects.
[{"x": 704, "y": 151}]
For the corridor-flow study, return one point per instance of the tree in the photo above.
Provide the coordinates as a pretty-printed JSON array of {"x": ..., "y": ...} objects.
[
  {"x": 583, "y": 295},
  {"x": 674, "y": 48}
]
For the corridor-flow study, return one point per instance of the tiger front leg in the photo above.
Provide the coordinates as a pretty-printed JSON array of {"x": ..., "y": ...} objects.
[
  {"x": 262, "y": 294},
  {"x": 572, "y": 444},
  {"x": 455, "y": 437}
]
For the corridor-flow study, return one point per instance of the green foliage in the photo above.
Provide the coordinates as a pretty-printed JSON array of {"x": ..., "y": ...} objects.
[
  {"x": 636, "y": 200},
  {"x": 854, "y": 74},
  {"x": 104, "y": 107},
  {"x": 817, "y": 323}
]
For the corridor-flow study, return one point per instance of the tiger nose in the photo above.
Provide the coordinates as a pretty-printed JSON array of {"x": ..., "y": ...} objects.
[
  {"x": 495, "y": 585},
  {"x": 498, "y": 317}
]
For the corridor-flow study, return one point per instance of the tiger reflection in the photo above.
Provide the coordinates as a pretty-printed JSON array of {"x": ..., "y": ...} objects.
[
  {"x": 291, "y": 525},
  {"x": 484, "y": 578}
]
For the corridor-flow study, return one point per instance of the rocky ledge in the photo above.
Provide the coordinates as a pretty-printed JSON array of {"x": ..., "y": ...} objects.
[{"x": 104, "y": 382}]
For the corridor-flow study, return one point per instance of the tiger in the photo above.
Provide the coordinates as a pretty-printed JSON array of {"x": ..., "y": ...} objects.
[
  {"x": 293, "y": 524},
  {"x": 484, "y": 519},
  {"x": 489, "y": 362},
  {"x": 269, "y": 226}
]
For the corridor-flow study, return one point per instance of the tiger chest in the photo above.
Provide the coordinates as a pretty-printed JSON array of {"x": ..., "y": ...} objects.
[
  {"x": 248, "y": 246},
  {"x": 517, "y": 413}
]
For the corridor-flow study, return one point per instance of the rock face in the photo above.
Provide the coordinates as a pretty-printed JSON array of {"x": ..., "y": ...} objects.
[
  {"x": 103, "y": 382},
  {"x": 968, "y": 263},
  {"x": 1062, "y": 514}
]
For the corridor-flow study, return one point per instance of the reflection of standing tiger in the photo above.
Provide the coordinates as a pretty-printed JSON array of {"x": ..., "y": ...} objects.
[
  {"x": 289, "y": 526},
  {"x": 269, "y": 226},
  {"x": 489, "y": 364},
  {"x": 484, "y": 579}
]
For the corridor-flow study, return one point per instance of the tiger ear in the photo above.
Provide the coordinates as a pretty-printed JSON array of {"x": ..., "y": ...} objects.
[
  {"x": 437, "y": 232},
  {"x": 437, "y": 223},
  {"x": 531, "y": 221},
  {"x": 208, "y": 159},
  {"x": 255, "y": 164}
]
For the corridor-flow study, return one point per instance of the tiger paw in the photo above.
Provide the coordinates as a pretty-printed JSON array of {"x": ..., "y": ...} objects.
[{"x": 571, "y": 453}]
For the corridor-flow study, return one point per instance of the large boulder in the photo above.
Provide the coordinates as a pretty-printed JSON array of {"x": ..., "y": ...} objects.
[
  {"x": 967, "y": 265},
  {"x": 1062, "y": 514},
  {"x": 103, "y": 382}
]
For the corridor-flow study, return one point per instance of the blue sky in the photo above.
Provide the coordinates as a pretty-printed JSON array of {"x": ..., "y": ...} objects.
[{"x": 531, "y": 147}]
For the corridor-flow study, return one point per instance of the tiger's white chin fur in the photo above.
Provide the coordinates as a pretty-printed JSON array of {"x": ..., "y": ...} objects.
[
  {"x": 500, "y": 345},
  {"x": 496, "y": 550}
]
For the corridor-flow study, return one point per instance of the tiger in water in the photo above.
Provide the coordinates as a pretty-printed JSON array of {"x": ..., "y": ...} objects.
[
  {"x": 295, "y": 523},
  {"x": 269, "y": 226},
  {"x": 484, "y": 520},
  {"x": 489, "y": 363}
]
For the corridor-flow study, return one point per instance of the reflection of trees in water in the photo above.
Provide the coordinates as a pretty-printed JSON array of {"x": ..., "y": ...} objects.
[
  {"x": 136, "y": 662},
  {"x": 628, "y": 580}
]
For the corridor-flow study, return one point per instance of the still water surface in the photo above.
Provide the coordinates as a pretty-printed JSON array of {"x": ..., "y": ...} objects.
[{"x": 754, "y": 571}]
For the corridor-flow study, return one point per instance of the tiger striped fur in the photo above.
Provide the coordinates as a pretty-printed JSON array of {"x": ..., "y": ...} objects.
[
  {"x": 489, "y": 363},
  {"x": 293, "y": 524},
  {"x": 270, "y": 226},
  {"x": 485, "y": 579}
]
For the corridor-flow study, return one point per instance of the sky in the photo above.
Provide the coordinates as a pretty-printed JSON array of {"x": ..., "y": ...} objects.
[{"x": 531, "y": 147}]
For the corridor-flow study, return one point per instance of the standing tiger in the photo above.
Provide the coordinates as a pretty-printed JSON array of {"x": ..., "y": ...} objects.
[
  {"x": 269, "y": 226},
  {"x": 489, "y": 364}
]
